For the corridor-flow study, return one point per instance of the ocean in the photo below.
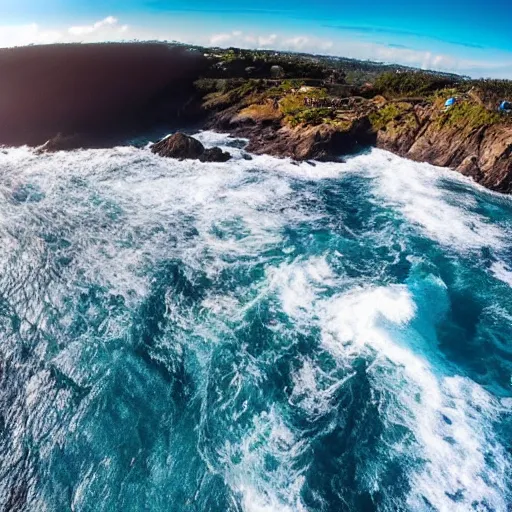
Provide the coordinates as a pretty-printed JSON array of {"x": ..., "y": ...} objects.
[{"x": 252, "y": 336}]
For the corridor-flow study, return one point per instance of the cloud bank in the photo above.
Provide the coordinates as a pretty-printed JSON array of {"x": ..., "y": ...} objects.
[
  {"x": 110, "y": 29},
  {"x": 390, "y": 53},
  {"x": 107, "y": 29}
]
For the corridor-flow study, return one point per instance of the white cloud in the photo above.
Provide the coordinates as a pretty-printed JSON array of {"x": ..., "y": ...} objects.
[
  {"x": 109, "y": 24},
  {"x": 424, "y": 59},
  {"x": 356, "y": 49},
  {"x": 220, "y": 39},
  {"x": 107, "y": 29},
  {"x": 238, "y": 38},
  {"x": 266, "y": 41},
  {"x": 20, "y": 35},
  {"x": 487, "y": 63},
  {"x": 299, "y": 42}
]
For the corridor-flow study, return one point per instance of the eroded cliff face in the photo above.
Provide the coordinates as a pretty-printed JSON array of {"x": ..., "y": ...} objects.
[
  {"x": 322, "y": 142},
  {"x": 482, "y": 152}
]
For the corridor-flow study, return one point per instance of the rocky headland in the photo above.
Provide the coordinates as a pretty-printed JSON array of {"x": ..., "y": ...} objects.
[
  {"x": 63, "y": 97},
  {"x": 306, "y": 123}
]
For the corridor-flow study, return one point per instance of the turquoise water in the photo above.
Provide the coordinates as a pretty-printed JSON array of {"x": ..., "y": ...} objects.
[{"x": 252, "y": 336}]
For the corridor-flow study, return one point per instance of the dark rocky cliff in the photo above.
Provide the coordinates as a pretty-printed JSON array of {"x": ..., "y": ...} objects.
[{"x": 99, "y": 91}]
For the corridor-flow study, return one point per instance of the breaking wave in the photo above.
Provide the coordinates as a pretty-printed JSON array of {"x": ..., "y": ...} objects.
[{"x": 252, "y": 336}]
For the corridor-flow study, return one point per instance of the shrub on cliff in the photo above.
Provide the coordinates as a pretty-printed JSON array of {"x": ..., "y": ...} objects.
[
  {"x": 310, "y": 116},
  {"x": 294, "y": 102},
  {"x": 489, "y": 91},
  {"x": 499, "y": 88},
  {"x": 260, "y": 112},
  {"x": 229, "y": 92},
  {"x": 285, "y": 87},
  {"x": 207, "y": 85},
  {"x": 388, "y": 113},
  {"x": 468, "y": 115},
  {"x": 411, "y": 83}
]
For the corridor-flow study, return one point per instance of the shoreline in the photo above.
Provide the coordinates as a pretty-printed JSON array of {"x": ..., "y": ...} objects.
[
  {"x": 102, "y": 95},
  {"x": 418, "y": 132}
]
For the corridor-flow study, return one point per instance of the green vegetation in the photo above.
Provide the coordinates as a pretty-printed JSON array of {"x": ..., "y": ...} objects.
[
  {"x": 244, "y": 78},
  {"x": 206, "y": 85},
  {"x": 501, "y": 89},
  {"x": 310, "y": 116},
  {"x": 227, "y": 91},
  {"x": 224, "y": 85},
  {"x": 441, "y": 95},
  {"x": 231, "y": 55},
  {"x": 293, "y": 106},
  {"x": 388, "y": 113},
  {"x": 248, "y": 87},
  {"x": 286, "y": 86},
  {"x": 468, "y": 115},
  {"x": 412, "y": 83},
  {"x": 261, "y": 112},
  {"x": 332, "y": 72},
  {"x": 294, "y": 102}
]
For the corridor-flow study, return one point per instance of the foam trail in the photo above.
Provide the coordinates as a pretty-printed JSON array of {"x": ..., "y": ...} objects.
[
  {"x": 415, "y": 189},
  {"x": 443, "y": 412},
  {"x": 502, "y": 272}
]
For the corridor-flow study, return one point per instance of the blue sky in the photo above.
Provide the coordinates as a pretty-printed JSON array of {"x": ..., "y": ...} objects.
[{"x": 464, "y": 36}]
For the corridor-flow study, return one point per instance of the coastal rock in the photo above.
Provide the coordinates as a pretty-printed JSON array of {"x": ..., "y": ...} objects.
[
  {"x": 214, "y": 155},
  {"x": 325, "y": 142},
  {"x": 179, "y": 146},
  {"x": 469, "y": 167},
  {"x": 106, "y": 92},
  {"x": 185, "y": 147},
  {"x": 411, "y": 128},
  {"x": 62, "y": 143},
  {"x": 495, "y": 158}
]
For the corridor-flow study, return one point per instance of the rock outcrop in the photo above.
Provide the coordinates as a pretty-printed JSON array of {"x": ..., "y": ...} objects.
[
  {"x": 104, "y": 92},
  {"x": 108, "y": 94},
  {"x": 179, "y": 146},
  {"x": 64, "y": 143},
  {"x": 214, "y": 155},
  {"x": 323, "y": 142},
  {"x": 268, "y": 133},
  {"x": 185, "y": 147}
]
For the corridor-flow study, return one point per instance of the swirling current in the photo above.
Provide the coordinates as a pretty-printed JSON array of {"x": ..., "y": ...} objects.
[{"x": 252, "y": 336}]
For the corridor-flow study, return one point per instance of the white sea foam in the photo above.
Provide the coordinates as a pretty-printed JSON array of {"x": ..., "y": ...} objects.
[
  {"x": 314, "y": 390},
  {"x": 415, "y": 189},
  {"x": 502, "y": 272},
  {"x": 148, "y": 192},
  {"x": 117, "y": 210},
  {"x": 278, "y": 490},
  {"x": 299, "y": 283},
  {"x": 451, "y": 417}
]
